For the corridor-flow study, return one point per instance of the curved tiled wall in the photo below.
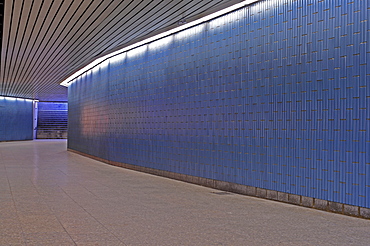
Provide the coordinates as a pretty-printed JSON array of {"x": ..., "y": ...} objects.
[{"x": 273, "y": 96}]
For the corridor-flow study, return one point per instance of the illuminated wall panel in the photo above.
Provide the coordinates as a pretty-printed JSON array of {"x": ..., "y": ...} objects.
[
  {"x": 273, "y": 96},
  {"x": 16, "y": 121}
]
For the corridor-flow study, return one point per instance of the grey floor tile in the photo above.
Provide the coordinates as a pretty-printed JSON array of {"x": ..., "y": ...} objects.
[
  {"x": 6, "y": 239},
  {"x": 61, "y": 198}
]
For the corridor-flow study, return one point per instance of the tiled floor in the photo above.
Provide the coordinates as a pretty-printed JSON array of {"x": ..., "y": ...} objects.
[{"x": 49, "y": 196}]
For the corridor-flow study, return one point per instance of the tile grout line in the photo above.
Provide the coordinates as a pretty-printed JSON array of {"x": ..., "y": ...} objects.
[
  {"x": 93, "y": 216},
  {"x": 16, "y": 210},
  {"x": 47, "y": 204}
]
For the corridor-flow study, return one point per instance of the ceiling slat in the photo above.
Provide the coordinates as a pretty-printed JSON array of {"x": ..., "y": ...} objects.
[
  {"x": 36, "y": 19},
  {"x": 7, "y": 27},
  {"x": 24, "y": 20},
  {"x": 39, "y": 52},
  {"x": 45, "y": 43}
]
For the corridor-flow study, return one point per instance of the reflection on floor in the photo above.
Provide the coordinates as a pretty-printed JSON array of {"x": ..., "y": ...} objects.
[{"x": 49, "y": 196}]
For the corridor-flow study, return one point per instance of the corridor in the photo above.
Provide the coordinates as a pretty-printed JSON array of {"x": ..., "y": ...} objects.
[{"x": 49, "y": 196}]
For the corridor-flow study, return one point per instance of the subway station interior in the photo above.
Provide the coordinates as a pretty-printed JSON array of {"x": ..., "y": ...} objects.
[{"x": 164, "y": 122}]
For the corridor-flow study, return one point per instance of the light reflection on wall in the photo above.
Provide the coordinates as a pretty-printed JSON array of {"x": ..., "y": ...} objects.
[
  {"x": 10, "y": 98},
  {"x": 190, "y": 32},
  {"x": 93, "y": 124},
  {"x": 94, "y": 120},
  {"x": 161, "y": 43},
  {"x": 118, "y": 58},
  {"x": 137, "y": 51},
  {"x": 266, "y": 5},
  {"x": 104, "y": 64},
  {"x": 229, "y": 18},
  {"x": 95, "y": 69},
  {"x": 15, "y": 98}
]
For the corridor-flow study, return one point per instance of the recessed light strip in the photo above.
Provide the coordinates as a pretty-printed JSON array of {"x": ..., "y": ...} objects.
[
  {"x": 16, "y": 99},
  {"x": 71, "y": 78}
]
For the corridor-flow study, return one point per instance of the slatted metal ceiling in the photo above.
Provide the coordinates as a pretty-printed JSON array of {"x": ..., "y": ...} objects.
[
  {"x": 1, "y": 21},
  {"x": 45, "y": 41}
]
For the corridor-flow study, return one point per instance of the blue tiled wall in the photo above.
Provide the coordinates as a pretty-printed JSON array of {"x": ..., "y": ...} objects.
[
  {"x": 274, "y": 95},
  {"x": 16, "y": 121}
]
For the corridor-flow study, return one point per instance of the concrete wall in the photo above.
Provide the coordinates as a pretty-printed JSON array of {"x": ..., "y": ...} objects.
[
  {"x": 16, "y": 122},
  {"x": 273, "y": 96}
]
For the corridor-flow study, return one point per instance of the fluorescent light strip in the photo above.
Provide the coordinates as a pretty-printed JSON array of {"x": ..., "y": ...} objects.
[
  {"x": 74, "y": 76},
  {"x": 15, "y": 98}
]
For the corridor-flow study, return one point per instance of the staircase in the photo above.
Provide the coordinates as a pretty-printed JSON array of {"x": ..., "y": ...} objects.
[{"x": 52, "y": 121}]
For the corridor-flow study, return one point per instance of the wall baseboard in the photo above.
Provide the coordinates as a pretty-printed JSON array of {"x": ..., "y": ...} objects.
[{"x": 299, "y": 200}]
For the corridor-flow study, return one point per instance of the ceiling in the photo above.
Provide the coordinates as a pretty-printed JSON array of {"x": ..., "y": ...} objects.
[{"x": 45, "y": 41}]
